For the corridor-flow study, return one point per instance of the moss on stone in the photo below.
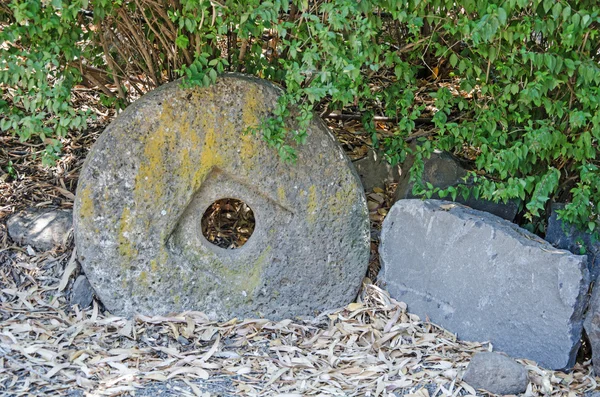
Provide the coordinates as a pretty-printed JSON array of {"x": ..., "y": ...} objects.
[
  {"x": 239, "y": 280},
  {"x": 252, "y": 279}
]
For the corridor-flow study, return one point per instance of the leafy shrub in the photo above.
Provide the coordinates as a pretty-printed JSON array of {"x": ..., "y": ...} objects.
[
  {"x": 39, "y": 49},
  {"x": 517, "y": 92}
]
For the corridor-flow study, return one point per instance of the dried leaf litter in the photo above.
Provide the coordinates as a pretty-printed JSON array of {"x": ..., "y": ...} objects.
[{"x": 372, "y": 347}]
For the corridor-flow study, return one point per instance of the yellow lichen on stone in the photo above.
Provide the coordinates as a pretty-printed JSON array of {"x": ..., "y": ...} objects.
[
  {"x": 176, "y": 159},
  {"x": 159, "y": 265},
  {"x": 126, "y": 249},
  {"x": 149, "y": 184},
  {"x": 143, "y": 279},
  {"x": 174, "y": 148},
  {"x": 189, "y": 148},
  {"x": 252, "y": 107},
  {"x": 211, "y": 156},
  {"x": 86, "y": 206},
  {"x": 312, "y": 206},
  {"x": 163, "y": 256},
  {"x": 211, "y": 152},
  {"x": 247, "y": 148},
  {"x": 281, "y": 195},
  {"x": 343, "y": 200},
  {"x": 250, "y": 118}
]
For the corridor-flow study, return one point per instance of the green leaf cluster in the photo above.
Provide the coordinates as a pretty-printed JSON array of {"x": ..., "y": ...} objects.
[
  {"x": 39, "y": 51},
  {"x": 519, "y": 98}
]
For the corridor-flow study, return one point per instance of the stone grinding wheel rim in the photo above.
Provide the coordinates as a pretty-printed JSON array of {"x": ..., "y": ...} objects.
[{"x": 166, "y": 158}]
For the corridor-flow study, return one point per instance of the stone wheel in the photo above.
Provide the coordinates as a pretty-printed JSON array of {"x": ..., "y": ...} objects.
[{"x": 168, "y": 157}]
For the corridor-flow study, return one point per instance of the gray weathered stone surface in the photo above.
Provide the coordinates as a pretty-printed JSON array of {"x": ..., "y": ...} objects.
[
  {"x": 375, "y": 171},
  {"x": 592, "y": 327},
  {"x": 443, "y": 170},
  {"x": 153, "y": 172},
  {"x": 82, "y": 293},
  {"x": 43, "y": 229},
  {"x": 565, "y": 236},
  {"x": 496, "y": 374},
  {"x": 568, "y": 237},
  {"x": 485, "y": 279}
]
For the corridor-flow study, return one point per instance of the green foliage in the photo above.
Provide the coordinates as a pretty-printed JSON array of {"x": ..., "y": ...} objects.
[
  {"x": 10, "y": 170},
  {"x": 38, "y": 67},
  {"x": 533, "y": 119},
  {"x": 520, "y": 96}
]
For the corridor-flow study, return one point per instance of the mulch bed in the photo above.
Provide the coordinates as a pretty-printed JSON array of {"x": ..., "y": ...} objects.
[{"x": 371, "y": 347}]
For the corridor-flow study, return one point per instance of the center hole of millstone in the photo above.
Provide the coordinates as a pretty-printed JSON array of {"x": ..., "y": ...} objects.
[{"x": 228, "y": 223}]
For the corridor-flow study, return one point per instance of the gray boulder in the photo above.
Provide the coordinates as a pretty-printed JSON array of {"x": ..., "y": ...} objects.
[
  {"x": 568, "y": 237},
  {"x": 443, "y": 170},
  {"x": 496, "y": 373},
  {"x": 82, "y": 293},
  {"x": 43, "y": 229},
  {"x": 485, "y": 279},
  {"x": 375, "y": 171},
  {"x": 173, "y": 153},
  {"x": 592, "y": 327}
]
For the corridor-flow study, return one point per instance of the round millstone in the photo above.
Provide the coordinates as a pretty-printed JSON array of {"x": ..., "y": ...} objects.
[{"x": 156, "y": 169}]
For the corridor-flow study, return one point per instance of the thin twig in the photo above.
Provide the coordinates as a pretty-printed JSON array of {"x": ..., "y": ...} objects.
[
  {"x": 98, "y": 84},
  {"x": 383, "y": 119},
  {"x": 141, "y": 42},
  {"x": 111, "y": 64},
  {"x": 160, "y": 35}
]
